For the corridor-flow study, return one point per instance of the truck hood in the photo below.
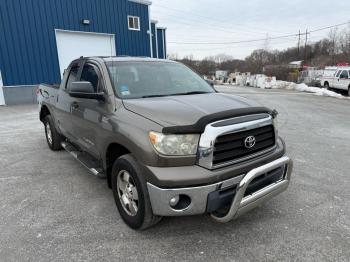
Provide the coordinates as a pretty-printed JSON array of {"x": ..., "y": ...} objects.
[{"x": 187, "y": 109}]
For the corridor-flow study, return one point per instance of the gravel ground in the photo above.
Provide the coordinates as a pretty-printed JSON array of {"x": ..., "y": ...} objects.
[{"x": 52, "y": 209}]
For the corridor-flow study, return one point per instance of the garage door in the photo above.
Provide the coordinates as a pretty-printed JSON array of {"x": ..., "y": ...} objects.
[{"x": 73, "y": 44}]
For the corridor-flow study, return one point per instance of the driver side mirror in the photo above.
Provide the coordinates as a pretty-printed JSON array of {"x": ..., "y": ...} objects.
[{"x": 85, "y": 90}]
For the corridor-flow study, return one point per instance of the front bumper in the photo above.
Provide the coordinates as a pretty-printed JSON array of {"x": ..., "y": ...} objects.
[{"x": 241, "y": 202}]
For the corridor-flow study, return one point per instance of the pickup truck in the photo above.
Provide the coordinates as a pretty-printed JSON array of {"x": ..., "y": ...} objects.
[
  {"x": 166, "y": 141},
  {"x": 340, "y": 80}
]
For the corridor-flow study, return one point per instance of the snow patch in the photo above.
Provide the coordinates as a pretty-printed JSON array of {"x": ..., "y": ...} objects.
[{"x": 308, "y": 89}]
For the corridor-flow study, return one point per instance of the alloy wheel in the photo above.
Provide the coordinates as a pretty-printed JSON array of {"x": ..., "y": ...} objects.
[
  {"x": 127, "y": 193},
  {"x": 48, "y": 133}
]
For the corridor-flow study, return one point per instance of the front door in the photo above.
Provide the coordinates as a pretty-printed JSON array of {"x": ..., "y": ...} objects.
[{"x": 344, "y": 80}]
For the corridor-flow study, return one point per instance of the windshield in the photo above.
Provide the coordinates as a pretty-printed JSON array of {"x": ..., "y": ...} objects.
[{"x": 155, "y": 79}]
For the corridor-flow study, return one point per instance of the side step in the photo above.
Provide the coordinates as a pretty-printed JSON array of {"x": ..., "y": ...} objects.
[{"x": 85, "y": 159}]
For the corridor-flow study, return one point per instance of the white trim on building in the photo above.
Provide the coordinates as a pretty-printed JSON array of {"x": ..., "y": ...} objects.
[
  {"x": 150, "y": 30},
  {"x": 2, "y": 98},
  {"x": 155, "y": 22},
  {"x": 144, "y": 2},
  {"x": 134, "y": 24}
]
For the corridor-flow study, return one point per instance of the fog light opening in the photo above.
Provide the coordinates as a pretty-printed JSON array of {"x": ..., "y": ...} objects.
[{"x": 180, "y": 202}]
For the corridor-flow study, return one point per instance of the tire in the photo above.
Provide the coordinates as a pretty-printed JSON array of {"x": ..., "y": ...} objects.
[
  {"x": 126, "y": 169},
  {"x": 349, "y": 91},
  {"x": 53, "y": 138},
  {"x": 326, "y": 85}
]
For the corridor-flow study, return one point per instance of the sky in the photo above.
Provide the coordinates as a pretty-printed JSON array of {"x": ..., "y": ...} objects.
[{"x": 200, "y": 23}]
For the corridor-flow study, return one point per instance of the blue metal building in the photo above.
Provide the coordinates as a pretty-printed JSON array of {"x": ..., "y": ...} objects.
[{"x": 39, "y": 37}]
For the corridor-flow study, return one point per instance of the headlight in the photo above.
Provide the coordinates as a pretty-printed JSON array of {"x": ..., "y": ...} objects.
[{"x": 174, "y": 145}]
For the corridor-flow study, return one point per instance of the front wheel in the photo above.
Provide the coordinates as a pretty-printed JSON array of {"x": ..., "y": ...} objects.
[{"x": 131, "y": 194}]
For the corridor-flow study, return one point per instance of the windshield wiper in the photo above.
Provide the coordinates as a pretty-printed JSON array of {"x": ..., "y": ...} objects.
[
  {"x": 192, "y": 93},
  {"x": 155, "y": 96},
  {"x": 180, "y": 94}
]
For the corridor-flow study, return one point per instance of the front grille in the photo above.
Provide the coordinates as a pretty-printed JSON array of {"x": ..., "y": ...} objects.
[{"x": 231, "y": 147}]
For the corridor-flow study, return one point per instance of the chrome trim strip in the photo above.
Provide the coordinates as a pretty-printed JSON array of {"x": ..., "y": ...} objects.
[
  {"x": 160, "y": 198},
  {"x": 238, "y": 160},
  {"x": 241, "y": 203},
  {"x": 95, "y": 171},
  {"x": 211, "y": 133}
]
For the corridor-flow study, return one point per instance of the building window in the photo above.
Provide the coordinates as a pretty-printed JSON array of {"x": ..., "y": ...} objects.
[{"x": 134, "y": 23}]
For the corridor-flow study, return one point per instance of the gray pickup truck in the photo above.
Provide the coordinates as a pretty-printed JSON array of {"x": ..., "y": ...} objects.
[{"x": 167, "y": 142}]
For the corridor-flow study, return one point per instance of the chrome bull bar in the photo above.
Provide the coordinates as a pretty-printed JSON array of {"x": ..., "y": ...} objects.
[{"x": 241, "y": 204}]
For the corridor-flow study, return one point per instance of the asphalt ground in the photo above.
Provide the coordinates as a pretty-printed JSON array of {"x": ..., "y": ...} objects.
[{"x": 52, "y": 209}]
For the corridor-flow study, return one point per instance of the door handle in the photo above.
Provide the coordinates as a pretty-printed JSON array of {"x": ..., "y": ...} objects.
[{"x": 75, "y": 105}]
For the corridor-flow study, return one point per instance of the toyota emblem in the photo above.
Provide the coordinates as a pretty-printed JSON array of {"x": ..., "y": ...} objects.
[{"x": 249, "y": 142}]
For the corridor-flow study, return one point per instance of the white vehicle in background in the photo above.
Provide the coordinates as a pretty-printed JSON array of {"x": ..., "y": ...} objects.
[{"x": 340, "y": 80}]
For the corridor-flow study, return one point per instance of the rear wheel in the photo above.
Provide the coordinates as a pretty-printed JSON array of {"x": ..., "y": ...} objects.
[
  {"x": 131, "y": 194},
  {"x": 326, "y": 85},
  {"x": 53, "y": 138}
]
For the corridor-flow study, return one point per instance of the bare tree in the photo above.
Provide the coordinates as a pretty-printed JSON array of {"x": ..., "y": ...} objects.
[
  {"x": 174, "y": 56},
  {"x": 333, "y": 37},
  {"x": 219, "y": 58},
  {"x": 266, "y": 44},
  {"x": 344, "y": 43}
]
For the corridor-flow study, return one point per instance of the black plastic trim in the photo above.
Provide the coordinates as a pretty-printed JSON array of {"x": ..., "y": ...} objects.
[{"x": 200, "y": 125}]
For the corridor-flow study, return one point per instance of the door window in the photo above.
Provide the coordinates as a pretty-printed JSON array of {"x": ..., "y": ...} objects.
[
  {"x": 344, "y": 75},
  {"x": 338, "y": 74},
  {"x": 73, "y": 75},
  {"x": 89, "y": 74}
]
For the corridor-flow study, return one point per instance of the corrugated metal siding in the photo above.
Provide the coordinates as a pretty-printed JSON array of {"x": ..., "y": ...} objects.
[
  {"x": 28, "y": 52},
  {"x": 165, "y": 52},
  {"x": 161, "y": 43}
]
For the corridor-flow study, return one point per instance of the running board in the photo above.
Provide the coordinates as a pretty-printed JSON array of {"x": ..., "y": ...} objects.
[{"x": 85, "y": 159}]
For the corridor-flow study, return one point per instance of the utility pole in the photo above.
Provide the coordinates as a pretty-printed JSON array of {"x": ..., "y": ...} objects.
[
  {"x": 299, "y": 45},
  {"x": 305, "y": 53}
]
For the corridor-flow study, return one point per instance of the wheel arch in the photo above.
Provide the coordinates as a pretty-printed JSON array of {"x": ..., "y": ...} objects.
[
  {"x": 113, "y": 152},
  {"x": 44, "y": 111}
]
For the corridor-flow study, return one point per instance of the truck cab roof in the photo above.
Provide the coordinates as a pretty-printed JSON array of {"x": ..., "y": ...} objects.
[{"x": 125, "y": 59}]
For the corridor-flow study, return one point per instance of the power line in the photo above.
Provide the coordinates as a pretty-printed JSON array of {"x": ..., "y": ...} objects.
[
  {"x": 213, "y": 27},
  {"x": 194, "y": 49},
  {"x": 329, "y": 27},
  {"x": 257, "y": 40},
  {"x": 234, "y": 42},
  {"x": 261, "y": 30}
]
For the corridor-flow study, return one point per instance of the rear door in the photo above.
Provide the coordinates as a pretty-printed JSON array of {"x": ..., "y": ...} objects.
[
  {"x": 89, "y": 113},
  {"x": 65, "y": 103}
]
